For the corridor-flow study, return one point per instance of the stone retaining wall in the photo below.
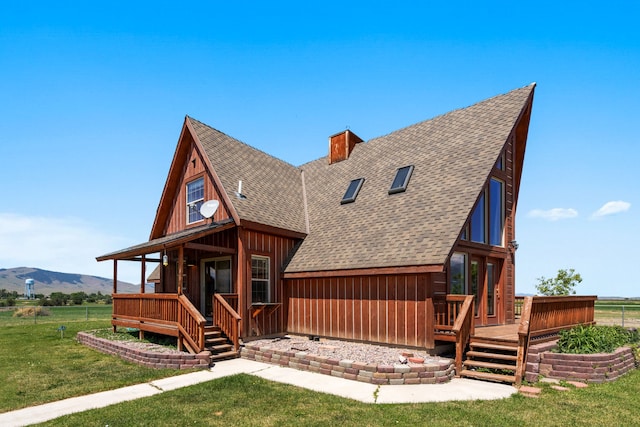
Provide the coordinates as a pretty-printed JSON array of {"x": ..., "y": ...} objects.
[
  {"x": 149, "y": 358},
  {"x": 427, "y": 373},
  {"x": 595, "y": 368}
]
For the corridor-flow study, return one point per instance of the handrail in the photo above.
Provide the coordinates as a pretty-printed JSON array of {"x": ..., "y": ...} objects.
[
  {"x": 523, "y": 339},
  {"x": 543, "y": 317},
  {"x": 225, "y": 317},
  {"x": 191, "y": 324},
  {"x": 463, "y": 328}
]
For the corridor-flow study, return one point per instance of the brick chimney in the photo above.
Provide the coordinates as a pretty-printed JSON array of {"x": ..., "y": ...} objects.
[{"x": 341, "y": 145}]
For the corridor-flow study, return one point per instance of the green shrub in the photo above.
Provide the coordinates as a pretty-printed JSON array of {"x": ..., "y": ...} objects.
[{"x": 595, "y": 339}]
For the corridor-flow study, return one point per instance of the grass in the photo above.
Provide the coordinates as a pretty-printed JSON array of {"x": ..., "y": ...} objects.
[
  {"x": 251, "y": 401},
  {"x": 38, "y": 366},
  {"x": 59, "y": 314}
]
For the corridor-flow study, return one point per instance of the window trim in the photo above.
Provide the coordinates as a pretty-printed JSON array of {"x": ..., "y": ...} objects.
[
  {"x": 194, "y": 203},
  {"x": 403, "y": 186},
  {"x": 266, "y": 281},
  {"x": 351, "y": 194}
]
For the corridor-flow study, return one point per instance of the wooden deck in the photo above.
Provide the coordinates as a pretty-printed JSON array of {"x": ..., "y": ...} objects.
[{"x": 502, "y": 332}]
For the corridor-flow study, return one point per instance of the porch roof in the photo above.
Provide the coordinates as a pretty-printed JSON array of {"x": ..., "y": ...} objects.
[{"x": 169, "y": 241}]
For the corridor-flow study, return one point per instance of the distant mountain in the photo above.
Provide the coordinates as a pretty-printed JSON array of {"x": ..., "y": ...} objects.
[{"x": 46, "y": 282}]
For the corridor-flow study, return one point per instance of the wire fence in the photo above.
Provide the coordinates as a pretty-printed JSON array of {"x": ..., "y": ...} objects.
[
  {"x": 36, "y": 314},
  {"x": 627, "y": 315}
]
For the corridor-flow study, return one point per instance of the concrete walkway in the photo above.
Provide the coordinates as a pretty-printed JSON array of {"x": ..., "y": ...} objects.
[{"x": 457, "y": 389}]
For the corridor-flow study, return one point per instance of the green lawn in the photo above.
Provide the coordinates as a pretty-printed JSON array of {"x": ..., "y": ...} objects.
[
  {"x": 246, "y": 400},
  {"x": 38, "y": 366},
  {"x": 58, "y": 315}
]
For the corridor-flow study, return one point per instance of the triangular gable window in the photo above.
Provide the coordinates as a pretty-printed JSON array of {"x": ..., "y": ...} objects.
[
  {"x": 401, "y": 180},
  {"x": 352, "y": 191}
]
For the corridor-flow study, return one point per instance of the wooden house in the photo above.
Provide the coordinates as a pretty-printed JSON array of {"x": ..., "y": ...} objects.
[{"x": 406, "y": 239}]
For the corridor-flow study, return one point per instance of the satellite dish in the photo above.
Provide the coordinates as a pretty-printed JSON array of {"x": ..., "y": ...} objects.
[{"x": 209, "y": 208}]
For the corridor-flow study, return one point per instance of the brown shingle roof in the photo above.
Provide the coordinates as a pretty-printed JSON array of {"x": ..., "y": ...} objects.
[
  {"x": 273, "y": 188},
  {"x": 453, "y": 156}
]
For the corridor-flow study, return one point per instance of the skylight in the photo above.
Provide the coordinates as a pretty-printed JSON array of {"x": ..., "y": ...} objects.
[
  {"x": 401, "y": 180},
  {"x": 352, "y": 191}
]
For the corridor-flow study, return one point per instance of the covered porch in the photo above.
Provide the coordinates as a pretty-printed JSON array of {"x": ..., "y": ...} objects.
[{"x": 195, "y": 296}]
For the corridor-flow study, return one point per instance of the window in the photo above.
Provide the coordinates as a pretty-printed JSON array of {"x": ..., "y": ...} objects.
[
  {"x": 479, "y": 222},
  {"x": 259, "y": 279},
  {"x": 496, "y": 212},
  {"x": 500, "y": 162},
  {"x": 352, "y": 191},
  {"x": 195, "y": 198},
  {"x": 458, "y": 281},
  {"x": 401, "y": 180}
]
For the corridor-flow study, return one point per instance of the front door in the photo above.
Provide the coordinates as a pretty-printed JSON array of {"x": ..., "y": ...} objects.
[
  {"x": 216, "y": 278},
  {"x": 484, "y": 281}
]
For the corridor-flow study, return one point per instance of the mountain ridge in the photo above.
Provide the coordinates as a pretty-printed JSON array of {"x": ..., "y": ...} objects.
[{"x": 47, "y": 281}]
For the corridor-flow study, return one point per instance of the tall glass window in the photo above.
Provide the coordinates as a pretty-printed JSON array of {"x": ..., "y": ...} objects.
[
  {"x": 491, "y": 289},
  {"x": 479, "y": 222},
  {"x": 458, "y": 283},
  {"x": 475, "y": 284},
  {"x": 195, "y": 199},
  {"x": 496, "y": 212}
]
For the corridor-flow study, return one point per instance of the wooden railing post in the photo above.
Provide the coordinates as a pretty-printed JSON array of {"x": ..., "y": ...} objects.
[{"x": 523, "y": 339}]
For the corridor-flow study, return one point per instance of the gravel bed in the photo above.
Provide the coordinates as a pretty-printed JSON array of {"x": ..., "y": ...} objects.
[{"x": 345, "y": 350}]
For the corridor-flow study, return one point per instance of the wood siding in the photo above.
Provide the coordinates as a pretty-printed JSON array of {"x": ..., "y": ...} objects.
[
  {"x": 193, "y": 169},
  {"x": 384, "y": 309},
  {"x": 279, "y": 250}
]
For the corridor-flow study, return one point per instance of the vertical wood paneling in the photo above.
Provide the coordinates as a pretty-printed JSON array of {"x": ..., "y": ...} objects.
[{"x": 386, "y": 309}]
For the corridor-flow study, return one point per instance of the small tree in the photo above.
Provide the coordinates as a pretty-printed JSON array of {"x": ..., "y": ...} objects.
[{"x": 563, "y": 284}]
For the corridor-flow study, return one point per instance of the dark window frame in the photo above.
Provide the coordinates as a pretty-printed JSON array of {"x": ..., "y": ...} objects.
[
  {"x": 401, "y": 187},
  {"x": 352, "y": 191}
]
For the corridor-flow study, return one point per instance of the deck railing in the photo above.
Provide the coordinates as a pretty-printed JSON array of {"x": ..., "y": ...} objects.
[
  {"x": 543, "y": 317},
  {"x": 517, "y": 307},
  {"x": 232, "y": 300},
  {"x": 167, "y": 314},
  {"x": 191, "y": 325},
  {"x": 454, "y": 322},
  {"x": 227, "y": 319}
]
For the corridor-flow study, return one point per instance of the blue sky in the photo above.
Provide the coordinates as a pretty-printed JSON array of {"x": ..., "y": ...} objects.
[{"x": 93, "y": 96}]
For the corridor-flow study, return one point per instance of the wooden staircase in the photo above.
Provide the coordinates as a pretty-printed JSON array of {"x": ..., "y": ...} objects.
[
  {"x": 491, "y": 359},
  {"x": 218, "y": 344}
]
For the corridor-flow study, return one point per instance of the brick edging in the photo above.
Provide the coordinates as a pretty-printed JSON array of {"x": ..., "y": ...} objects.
[
  {"x": 144, "y": 357},
  {"x": 594, "y": 368},
  {"x": 428, "y": 373}
]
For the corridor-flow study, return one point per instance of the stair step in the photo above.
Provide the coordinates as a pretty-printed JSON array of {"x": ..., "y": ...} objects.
[
  {"x": 209, "y": 342},
  {"x": 491, "y": 346},
  {"x": 488, "y": 365},
  {"x": 220, "y": 348},
  {"x": 487, "y": 355},
  {"x": 212, "y": 334},
  {"x": 488, "y": 376},
  {"x": 224, "y": 356}
]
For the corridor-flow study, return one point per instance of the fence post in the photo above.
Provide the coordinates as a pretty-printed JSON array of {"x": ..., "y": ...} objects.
[{"x": 623, "y": 316}]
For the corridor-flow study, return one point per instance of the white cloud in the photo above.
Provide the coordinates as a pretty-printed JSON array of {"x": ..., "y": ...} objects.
[
  {"x": 611, "y": 208},
  {"x": 68, "y": 245},
  {"x": 554, "y": 214}
]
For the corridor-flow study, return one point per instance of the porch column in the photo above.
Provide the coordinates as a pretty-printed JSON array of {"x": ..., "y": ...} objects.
[
  {"x": 143, "y": 272},
  {"x": 180, "y": 268},
  {"x": 241, "y": 285},
  {"x": 115, "y": 276},
  {"x": 115, "y": 287}
]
